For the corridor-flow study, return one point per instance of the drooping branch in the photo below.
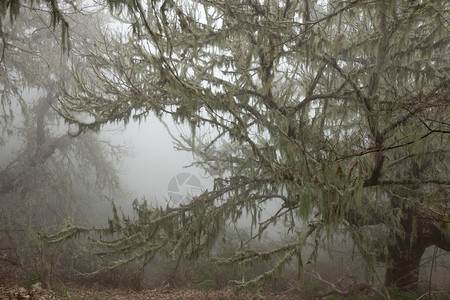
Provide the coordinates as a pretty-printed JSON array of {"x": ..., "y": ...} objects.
[{"x": 413, "y": 182}]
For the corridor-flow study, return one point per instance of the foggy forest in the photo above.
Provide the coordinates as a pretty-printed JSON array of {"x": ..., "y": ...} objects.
[{"x": 229, "y": 149}]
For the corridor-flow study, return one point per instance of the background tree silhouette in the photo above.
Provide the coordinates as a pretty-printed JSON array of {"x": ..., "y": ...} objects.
[{"x": 46, "y": 176}]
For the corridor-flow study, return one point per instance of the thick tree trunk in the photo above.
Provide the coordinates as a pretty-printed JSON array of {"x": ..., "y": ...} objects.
[
  {"x": 405, "y": 252},
  {"x": 403, "y": 263}
]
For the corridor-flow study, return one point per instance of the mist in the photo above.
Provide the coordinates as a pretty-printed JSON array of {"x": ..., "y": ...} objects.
[
  {"x": 153, "y": 160},
  {"x": 283, "y": 149}
]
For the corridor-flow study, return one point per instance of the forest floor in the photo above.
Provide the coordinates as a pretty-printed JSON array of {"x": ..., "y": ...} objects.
[{"x": 14, "y": 285}]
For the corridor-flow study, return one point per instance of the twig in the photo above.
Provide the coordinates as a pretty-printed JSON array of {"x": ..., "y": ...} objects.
[{"x": 360, "y": 287}]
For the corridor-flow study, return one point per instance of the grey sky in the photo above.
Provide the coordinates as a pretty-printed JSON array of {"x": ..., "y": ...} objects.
[{"x": 154, "y": 161}]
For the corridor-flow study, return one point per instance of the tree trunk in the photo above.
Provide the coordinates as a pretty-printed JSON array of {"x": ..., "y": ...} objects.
[
  {"x": 403, "y": 264},
  {"x": 405, "y": 252}
]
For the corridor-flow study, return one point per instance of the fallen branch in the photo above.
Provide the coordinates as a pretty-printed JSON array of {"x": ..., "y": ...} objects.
[{"x": 351, "y": 290}]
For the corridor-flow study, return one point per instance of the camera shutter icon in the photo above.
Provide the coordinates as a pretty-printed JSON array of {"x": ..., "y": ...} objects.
[{"x": 183, "y": 187}]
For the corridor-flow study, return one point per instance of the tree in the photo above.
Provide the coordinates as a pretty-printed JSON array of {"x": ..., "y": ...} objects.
[
  {"x": 50, "y": 176},
  {"x": 336, "y": 111},
  {"x": 57, "y": 14}
]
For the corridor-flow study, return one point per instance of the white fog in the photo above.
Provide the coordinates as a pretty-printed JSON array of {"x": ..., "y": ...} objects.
[{"x": 153, "y": 161}]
